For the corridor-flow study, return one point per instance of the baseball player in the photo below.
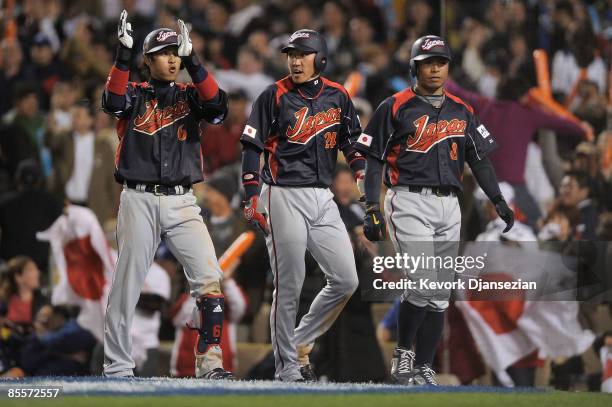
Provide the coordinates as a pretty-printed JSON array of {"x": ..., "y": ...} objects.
[
  {"x": 423, "y": 135},
  {"x": 157, "y": 161},
  {"x": 299, "y": 123}
]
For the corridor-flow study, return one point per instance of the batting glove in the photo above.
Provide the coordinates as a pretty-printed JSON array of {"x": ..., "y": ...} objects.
[
  {"x": 374, "y": 227},
  {"x": 505, "y": 213},
  {"x": 360, "y": 181},
  {"x": 252, "y": 216},
  {"x": 184, "y": 42},
  {"x": 124, "y": 31}
]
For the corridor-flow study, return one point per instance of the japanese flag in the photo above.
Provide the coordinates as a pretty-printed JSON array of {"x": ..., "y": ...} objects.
[
  {"x": 249, "y": 131},
  {"x": 365, "y": 139}
]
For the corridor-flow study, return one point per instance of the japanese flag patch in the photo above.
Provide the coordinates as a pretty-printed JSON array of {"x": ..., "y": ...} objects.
[
  {"x": 365, "y": 139},
  {"x": 249, "y": 131},
  {"x": 483, "y": 131}
]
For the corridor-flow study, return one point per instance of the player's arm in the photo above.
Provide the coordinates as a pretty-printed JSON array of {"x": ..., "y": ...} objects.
[
  {"x": 211, "y": 101},
  {"x": 116, "y": 98},
  {"x": 372, "y": 144},
  {"x": 479, "y": 143},
  {"x": 350, "y": 131},
  {"x": 253, "y": 137}
]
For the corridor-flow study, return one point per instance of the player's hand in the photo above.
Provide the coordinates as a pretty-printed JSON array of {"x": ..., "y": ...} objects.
[
  {"x": 374, "y": 227},
  {"x": 360, "y": 181},
  {"x": 124, "y": 31},
  {"x": 252, "y": 216},
  {"x": 184, "y": 42},
  {"x": 505, "y": 213}
]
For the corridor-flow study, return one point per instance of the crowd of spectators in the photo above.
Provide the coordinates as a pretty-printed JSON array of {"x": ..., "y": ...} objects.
[{"x": 57, "y": 146}]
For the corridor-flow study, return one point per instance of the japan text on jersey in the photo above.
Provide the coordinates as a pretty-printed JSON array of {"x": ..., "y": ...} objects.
[
  {"x": 422, "y": 145},
  {"x": 300, "y": 136},
  {"x": 159, "y": 134}
]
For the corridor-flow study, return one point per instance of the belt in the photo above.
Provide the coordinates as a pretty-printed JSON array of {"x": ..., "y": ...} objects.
[
  {"x": 438, "y": 191},
  {"x": 159, "y": 189}
]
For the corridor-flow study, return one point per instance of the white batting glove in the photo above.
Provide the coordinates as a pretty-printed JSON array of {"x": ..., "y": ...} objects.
[
  {"x": 184, "y": 42},
  {"x": 124, "y": 31}
]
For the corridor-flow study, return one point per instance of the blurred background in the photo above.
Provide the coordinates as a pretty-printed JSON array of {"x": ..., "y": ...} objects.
[{"x": 537, "y": 73}]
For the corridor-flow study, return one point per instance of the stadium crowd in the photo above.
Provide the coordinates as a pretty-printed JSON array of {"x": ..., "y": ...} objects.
[{"x": 57, "y": 149}]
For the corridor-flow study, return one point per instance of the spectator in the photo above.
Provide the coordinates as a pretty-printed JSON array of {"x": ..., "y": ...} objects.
[
  {"x": 20, "y": 295},
  {"x": 575, "y": 192},
  {"x": 560, "y": 224},
  {"x": 590, "y": 105},
  {"x": 221, "y": 144},
  {"x": 45, "y": 66},
  {"x": 24, "y": 212},
  {"x": 248, "y": 76},
  {"x": 12, "y": 72},
  {"x": 340, "y": 52},
  {"x": 509, "y": 159},
  {"x": 244, "y": 12},
  {"x": 19, "y": 130},
  {"x": 63, "y": 97},
  {"x": 301, "y": 17},
  {"x": 86, "y": 59},
  {"x": 84, "y": 165},
  {"x": 59, "y": 346}
]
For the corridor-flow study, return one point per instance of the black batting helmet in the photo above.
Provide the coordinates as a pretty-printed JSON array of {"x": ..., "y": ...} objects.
[
  {"x": 427, "y": 47},
  {"x": 159, "y": 39},
  {"x": 309, "y": 41}
]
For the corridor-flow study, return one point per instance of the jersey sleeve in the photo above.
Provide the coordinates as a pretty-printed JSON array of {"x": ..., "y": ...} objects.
[
  {"x": 213, "y": 110},
  {"x": 259, "y": 124},
  {"x": 119, "y": 105},
  {"x": 351, "y": 126},
  {"x": 350, "y": 132},
  {"x": 479, "y": 142},
  {"x": 374, "y": 139}
]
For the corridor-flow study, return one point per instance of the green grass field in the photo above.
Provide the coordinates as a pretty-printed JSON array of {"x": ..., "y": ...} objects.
[{"x": 299, "y": 400}]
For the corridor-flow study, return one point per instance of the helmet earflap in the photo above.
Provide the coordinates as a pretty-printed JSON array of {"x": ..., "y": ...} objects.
[
  {"x": 413, "y": 69},
  {"x": 320, "y": 62}
]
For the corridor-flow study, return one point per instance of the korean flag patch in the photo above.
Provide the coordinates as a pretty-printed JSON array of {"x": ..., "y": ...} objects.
[
  {"x": 483, "y": 131},
  {"x": 249, "y": 131}
]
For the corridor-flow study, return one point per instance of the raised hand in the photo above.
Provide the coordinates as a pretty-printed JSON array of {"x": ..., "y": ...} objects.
[
  {"x": 124, "y": 31},
  {"x": 184, "y": 42}
]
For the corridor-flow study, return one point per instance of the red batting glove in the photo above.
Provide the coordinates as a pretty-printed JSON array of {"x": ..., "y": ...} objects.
[
  {"x": 360, "y": 181},
  {"x": 252, "y": 216}
]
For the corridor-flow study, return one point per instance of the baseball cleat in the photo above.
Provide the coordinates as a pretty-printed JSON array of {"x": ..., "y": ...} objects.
[
  {"x": 218, "y": 374},
  {"x": 424, "y": 375},
  {"x": 308, "y": 373},
  {"x": 402, "y": 365}
]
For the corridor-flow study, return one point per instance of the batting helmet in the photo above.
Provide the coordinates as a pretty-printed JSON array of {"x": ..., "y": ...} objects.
[
  {"x": 159, "y": 39},
  {"x": 427, "y": 47},
  {"x": 309, "y": 41}
]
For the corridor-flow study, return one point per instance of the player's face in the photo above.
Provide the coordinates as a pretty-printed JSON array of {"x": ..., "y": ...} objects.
[
  {"x": 164, "y": 64},
  {"x": 301, "y": 66},
  {"x": 432, "y": 74}
]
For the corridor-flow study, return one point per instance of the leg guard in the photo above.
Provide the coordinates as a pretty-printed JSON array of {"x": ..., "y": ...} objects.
[{"x": 208, "y": 320}]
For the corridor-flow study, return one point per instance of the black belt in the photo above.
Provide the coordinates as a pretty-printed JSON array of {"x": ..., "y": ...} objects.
[
  {"x": 438, "y": 191},
  {"x": 159, "y": 189}
]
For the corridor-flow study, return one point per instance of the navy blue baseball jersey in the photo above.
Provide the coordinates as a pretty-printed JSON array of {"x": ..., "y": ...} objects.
[
  {"x": 301, "y": 135},
  {"x": 159, "y": 128},
  {"x": 422, "y": 145}
]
